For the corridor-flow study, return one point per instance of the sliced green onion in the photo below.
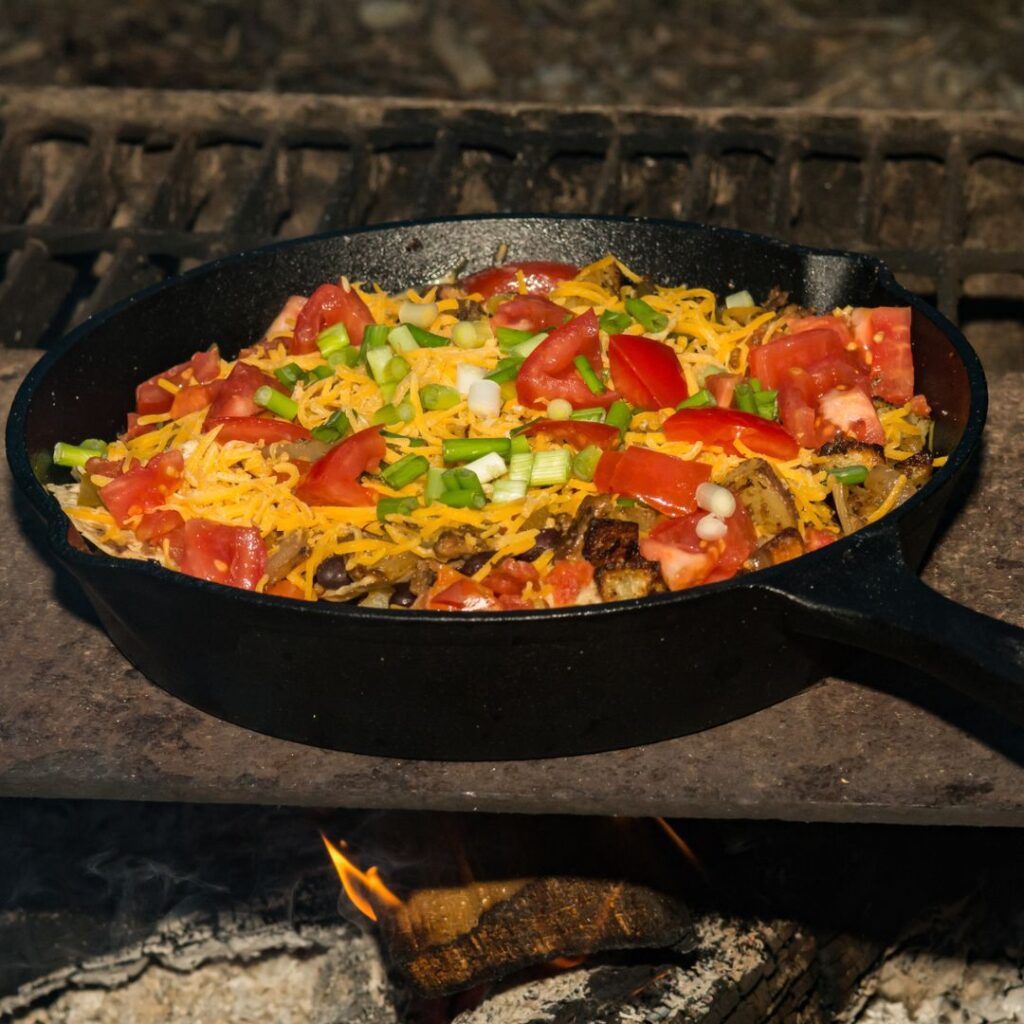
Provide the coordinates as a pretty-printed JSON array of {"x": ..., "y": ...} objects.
[
  {"x": 551, "y": 467},
  {"x": 333, "y": 339},
  {"x": 386, "y": 415},
  {"x": 72, "y": 455},
  {"x": 402, "y": 473},
  {"x": 397, "y": 369},
  {"x": 395, "y": 507},
  {"x": 584, "y": 463},
  {"x": 375, "y": 336},
  {"x": 418, "y": 314},
  {"x": 594, "y": 414},
  {"x": 590, "y": 378},
  {"x": 401, "y": 340},
  {"x": 648, "y": 317},
  {"x": 850, "y": 474},
  {"x": 434, "y": 487},
  {"x": 625, "y": 502},
  {"x": 525, "y": 348},
  {"x": 702, "y": 399},
  {"x": 425, "y": 339},
  {"x": 613, "y": 322},
  {"x": 559, "y": 409},
  {"x": 462, "y": 499},
  {"x": 619, "y": 415},
  {"x": 509, "y": 337},
  {"x": 387, "y": 391},
  {"x": 322, "y": 372},
  {"x": 406, "y": 413},
  {"x": 738, "y": 300},
  {"x": 488, "y": 467},
  {"x": 767, "y": 404},
  {"x": 324, "y": 435},
  {"x": 507, "y": 369},
  {"x": 508, "y": 490},
  {"x": 333, "y": 428},
  {"x": 94, "y": 444},
  {"x": 278, "y": 404},
  {"x": 755, "y": 384},
  {"x": 439, "y": 396},
  {"x": 377, "y": 360},
  {"x": 465, "y": 335},
  {"x": 290, "y": 374},
  {"x": 520, "y": 445},
  {"x": 465, "y": 449},
  {"x": 463, "y": 479},
  {"x": 344, "y": 357},
  {"x": 743, "y": 398},
  {"x": 520, "y": 466}
]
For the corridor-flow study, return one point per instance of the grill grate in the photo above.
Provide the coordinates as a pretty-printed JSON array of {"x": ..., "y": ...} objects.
[{"x": 104, "y": 192}]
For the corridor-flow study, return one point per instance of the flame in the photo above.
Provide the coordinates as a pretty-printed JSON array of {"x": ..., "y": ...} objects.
[
  {"x": 683, "y": 847},
  {"x": 363, "y": 888}
]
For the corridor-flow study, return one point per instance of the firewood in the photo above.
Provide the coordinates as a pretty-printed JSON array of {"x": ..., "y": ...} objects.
[{"x": 444, "y": 940}]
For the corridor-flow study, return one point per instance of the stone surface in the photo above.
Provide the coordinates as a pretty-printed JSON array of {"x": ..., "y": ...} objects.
[{"x": 77, "y": 720}]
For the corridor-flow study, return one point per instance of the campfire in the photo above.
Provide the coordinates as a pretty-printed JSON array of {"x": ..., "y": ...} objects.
[{"x": 505, "y": 901}]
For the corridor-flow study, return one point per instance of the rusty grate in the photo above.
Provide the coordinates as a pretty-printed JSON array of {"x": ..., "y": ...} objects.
[{"x": 104, "y": 192}]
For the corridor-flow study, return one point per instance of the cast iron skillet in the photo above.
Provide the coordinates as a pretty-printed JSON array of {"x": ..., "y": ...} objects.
[{"x": 515, "y": 684}]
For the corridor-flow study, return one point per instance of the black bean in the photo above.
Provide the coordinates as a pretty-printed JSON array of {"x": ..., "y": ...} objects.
[
  {"x": 403, "y": 596},
  {"x": 332, "y": 573},
  {"x": 544, "y": 541},
  {"x": 475, "y": 562}
]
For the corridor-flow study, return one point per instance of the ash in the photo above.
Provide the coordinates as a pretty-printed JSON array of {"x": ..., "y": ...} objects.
[{"x": 178, "y": 913}]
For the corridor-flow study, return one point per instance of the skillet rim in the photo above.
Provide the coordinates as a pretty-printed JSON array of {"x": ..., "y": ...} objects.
[{"x": 765, "y": 579}]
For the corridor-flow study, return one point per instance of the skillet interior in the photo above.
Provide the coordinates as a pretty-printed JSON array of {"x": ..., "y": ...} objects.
[{"x": 506, "y": 685}]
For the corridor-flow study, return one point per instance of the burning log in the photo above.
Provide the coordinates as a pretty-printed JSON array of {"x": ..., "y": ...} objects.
[
  {"x": 572, "y": 892},
  {"x": 446, "y": 940}
]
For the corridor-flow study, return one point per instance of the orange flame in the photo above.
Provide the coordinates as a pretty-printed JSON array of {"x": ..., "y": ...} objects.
[
  {"x": 683, "y": 847},
  {"x": 363, "y": 888}
]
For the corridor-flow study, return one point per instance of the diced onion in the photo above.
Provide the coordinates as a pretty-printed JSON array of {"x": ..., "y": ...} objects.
[
  {"x": 717, "y": 500},
  {"x": 485, "y": 398},
  {"x": 711, "y": 528},
  {"x": 559, "y": 409},
  {"x": 488, "y": 467},
  {"x": 738, "y": 300},
  {"x": 464, "y": 335},
  {"x": 419, "y": 314},
  {"x": 466, "y": 374}
]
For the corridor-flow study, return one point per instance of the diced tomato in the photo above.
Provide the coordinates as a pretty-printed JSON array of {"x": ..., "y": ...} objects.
[
  {"x": 578, "y": 433},
  {"x": 567, "y": 579},
  {"x": 334, "y": 478},
  {"x": 106, "y": 467},
  {"x": 235, "y": 397},
  {"x": 646, "y": 372},
  {"x": 548, "y": 371},
  {"x": 233, "y": 555},
  {"x": 770, "y": 363},
  {"x": 919, "y": 406},
  {"x": 540, "y": 277},
  {"x": 799, "y": 416},
  {"x": 143, "y": 488},
  {"x": 722, "y": 387},
  {"x": 514, "y": 603},
  {"x": 256, "y": 429},
  {"x": 285, "y": 588},
  {"x": 815, "y": 539},
  {"x": 284, "y": 322},
  {"x": 194, "y": 398},
  {"x": 202, "y": 368},
  {"x": 884, "y": 334},
  {"x": 511, "y": 576},
  {"x": 662, "y": 481},
  {"x": 154, "y": 526},
  {"x": 453, "y": 592},
  {"x": 852, "y": 412},
  {"x": 328, "y": 305},
  {"x": 687, "y": 561},
  {"x": 726, "y": 426},
  {"x": 530, "y": 313},
  {"x": 797, "y": 325}
]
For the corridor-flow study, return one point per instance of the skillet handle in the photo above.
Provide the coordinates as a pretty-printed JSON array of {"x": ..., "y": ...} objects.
[{"x": 873, "y": 600}]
